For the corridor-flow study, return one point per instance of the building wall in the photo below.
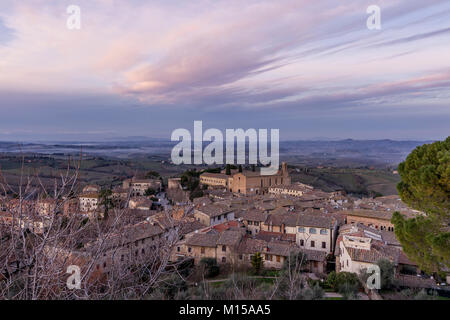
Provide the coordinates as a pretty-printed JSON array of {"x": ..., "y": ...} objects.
[
  {"x": 174, "y": 183},
  {"x": 213, "y": 181},
  {"x": 198, "y": 252},
  {"x": 347, "y": 264},
  {"x": 88, "y": 204},
  {"x": 255, "y": 184},
  {"x": 228, "y": 216},
  {"x": 212, "y": 221},
  {"x": 379, "y": 224},
  {"x": 318, "y": 238},
  {"x": 285, "y": 191},
  {"x": 272, "y": 228},
  {"x": 203, "y": 218},
  {"x": 273, "y": 261},
  {"x": 227, "y": 256},
  {"x": 138, "y": 251},
  {"x": 253, "y": 226}
]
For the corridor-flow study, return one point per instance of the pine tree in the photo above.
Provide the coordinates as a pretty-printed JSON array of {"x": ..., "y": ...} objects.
[{"x": 425, "y": 186}]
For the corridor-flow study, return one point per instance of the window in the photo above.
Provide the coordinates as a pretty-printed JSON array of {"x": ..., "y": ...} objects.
[
  {"x": 202, "y": 250},
  {"x": 313, "y": 244},
  {"x": 278, "y": 258},
  {"x": 324, "y": 245},
  {"x": 250, "y": 223},
  {"x": 189, "y": 249},
  {"x": 240, "y": 257},
  {"x": 178, "y": 249},
  {"x": 224, "y": 259},
  {"x": 224, "y": 248},
  {"x": 256, "y": 223},
  {"x": 143, "y": 251},
  {"x": 104, "y": 264},
  {"x": 301, "y": 230},
  {"x": 302, "y": 242},
  {"x": 323, "y": 231},
  {"x": 312, "y": 230},
  {"x": 121, "y": 258}
]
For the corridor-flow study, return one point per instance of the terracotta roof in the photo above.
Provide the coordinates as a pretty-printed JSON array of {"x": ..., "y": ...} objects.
[
  {"x": 226, "y": 226},
  {"x": 411, "y": 281},
  {"x": 203, "y": 240},
  {"x": 202, "y": 200},
  {"x": 314, "y": 255},
  {"x": 89, "y": 195},
  {"x": 280, "y": 248},
  {"x": 377, "y": 252},
  {"x": 190, "y": 226},
  {"x": 383, "y": 215},
  {"x": 311, "y": 220},
  {"x": 214, "y": 209},
  {"x": 132, "y": 233},
  {"x": 230, "y": 238},
  {"x": 214, "y": 175},
  {"x": 254, "y": 215},
  {"x": 269, "y": 236},
  {"x": 251, "y": 246}
]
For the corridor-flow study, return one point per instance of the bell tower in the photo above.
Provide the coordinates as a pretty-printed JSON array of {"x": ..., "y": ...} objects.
[{"x": 286, "y": 180}]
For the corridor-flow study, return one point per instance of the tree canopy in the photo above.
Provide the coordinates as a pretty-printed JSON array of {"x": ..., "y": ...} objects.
[{"x": 425, "y": 186}]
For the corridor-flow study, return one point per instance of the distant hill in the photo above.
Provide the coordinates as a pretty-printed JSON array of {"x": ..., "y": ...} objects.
[{"x": 326, "y": 152}]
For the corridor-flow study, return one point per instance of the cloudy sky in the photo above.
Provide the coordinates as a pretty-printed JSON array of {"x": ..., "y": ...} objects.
[{"x": 144, "y": 68}]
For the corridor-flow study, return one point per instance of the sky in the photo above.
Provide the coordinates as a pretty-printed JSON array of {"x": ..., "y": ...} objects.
[{"x": 144, "y": 68}]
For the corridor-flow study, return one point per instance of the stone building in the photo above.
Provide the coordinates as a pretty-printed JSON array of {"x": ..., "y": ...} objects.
[
  {"x": 212, "y": 214},
  {"x": 296, "y": 190},
  {"x": 372, "y": 218},
  {"x": 247, "y": 182},
  {"x": 138, "y": 187}
]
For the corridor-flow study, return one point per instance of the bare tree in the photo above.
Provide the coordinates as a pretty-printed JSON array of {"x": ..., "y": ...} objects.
[{"x": 40, "y": 238}]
